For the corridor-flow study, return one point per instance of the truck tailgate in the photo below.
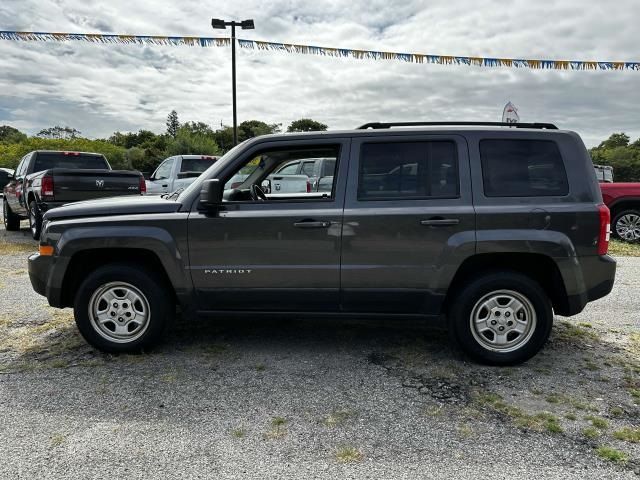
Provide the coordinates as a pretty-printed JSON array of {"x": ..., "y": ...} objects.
[{"x": 71, "y": 185}]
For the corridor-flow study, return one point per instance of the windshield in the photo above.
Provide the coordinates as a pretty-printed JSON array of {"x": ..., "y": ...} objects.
[
  {"x": 46, "y": 161},
  {"x": 197, "y": 184}
]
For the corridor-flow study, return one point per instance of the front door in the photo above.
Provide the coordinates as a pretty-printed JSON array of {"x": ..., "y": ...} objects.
[
  {"x": 408, "y": 219},
  {"x": 265, "y": 251}
]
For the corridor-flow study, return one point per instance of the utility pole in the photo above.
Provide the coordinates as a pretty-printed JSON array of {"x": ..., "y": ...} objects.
[{"x": 245, "y": 25}]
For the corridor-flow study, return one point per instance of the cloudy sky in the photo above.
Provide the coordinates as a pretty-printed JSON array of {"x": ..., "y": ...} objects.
[{"x": 101, "y": 88}]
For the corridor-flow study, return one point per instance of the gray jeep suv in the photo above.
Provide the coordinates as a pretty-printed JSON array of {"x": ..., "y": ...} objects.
[{"x": 490, "y": 227}]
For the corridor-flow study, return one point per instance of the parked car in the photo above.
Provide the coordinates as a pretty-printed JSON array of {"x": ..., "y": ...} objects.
[
  {"x": 318, "y": 170},
  {"x": 491, "y": 228},
  {"x": 178, "y": 172},
  {"x": 5, "y": 174},
  {"x": 623, "y": 199},
  {"x": 46, "y": 179},
  {"x": 604, "y": 173}
]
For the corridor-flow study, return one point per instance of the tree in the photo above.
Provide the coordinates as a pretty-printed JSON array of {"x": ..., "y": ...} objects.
[
  {"x": 615, "y": 140},
  {"x": 172, "y": 124},
  {"x": 198, "y": 128},
  {"x": 59, "y": 132},
  {"x": 306, "y": 125},
  {"x": 188, "y": 143},
  {"x": 253, "y": 128},
  {"x": 11, "y": 135},
  {"x": 130, "y": 140}
]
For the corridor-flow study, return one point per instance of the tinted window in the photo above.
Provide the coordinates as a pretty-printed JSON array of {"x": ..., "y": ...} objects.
[
  {"x": 307, "y": 168},
  {"x": 196, "y": 164},
  {"x": 522, "y": 168},
  {"x": 408, "y": 170},
  {"x": 328, "y": 167},
  {"x": 45, "y": 161}
]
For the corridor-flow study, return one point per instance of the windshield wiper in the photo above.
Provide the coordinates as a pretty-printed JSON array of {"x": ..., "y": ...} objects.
[{"x": 175, "y": 193}]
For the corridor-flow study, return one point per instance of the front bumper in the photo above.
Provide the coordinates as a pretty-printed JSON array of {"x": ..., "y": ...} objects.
[{"x": 40, "y": 272}]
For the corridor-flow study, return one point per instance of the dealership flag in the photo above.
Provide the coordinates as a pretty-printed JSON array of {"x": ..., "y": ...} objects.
[{"x": 510, "y": 114}]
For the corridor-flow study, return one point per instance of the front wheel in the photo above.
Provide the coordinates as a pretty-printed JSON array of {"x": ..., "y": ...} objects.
[
  {"x": 35, "y": 220},
  {"x": 122, "y": 309},
  {"x": 626, "y": 225},
  {"x": 11, "y": 220},
  {"x": 501, "y": 318}
]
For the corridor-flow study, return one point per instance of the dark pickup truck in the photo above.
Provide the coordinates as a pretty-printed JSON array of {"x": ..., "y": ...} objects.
[
  {"x": 489, "y": 228},
  {"x": 49, "y": 179}
]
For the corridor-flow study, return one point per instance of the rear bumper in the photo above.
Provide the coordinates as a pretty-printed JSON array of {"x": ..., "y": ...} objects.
[{"x": 599, "y": 274}]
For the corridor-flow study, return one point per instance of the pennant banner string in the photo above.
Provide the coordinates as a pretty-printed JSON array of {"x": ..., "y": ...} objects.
[{"x": 323, "y": 51}]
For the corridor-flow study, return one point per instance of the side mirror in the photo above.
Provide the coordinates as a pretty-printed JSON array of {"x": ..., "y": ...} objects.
[
  {"x": 266, "y": 186},
  {"x": 211, "y": 193}
]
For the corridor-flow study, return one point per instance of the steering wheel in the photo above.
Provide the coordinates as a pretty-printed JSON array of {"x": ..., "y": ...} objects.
[{"x": 257, "y": 194}]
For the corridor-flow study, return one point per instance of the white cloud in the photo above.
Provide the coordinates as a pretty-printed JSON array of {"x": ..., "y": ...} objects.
[{"x": 99, "y": 89}]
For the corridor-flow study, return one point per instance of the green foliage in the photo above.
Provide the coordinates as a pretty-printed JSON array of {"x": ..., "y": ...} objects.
[
  {"x": 623, "y": 156},
  {"x": 187, "y": 142},
  {"x": 11, "y": 135},
  {"x": 306, "y": 125},
  {"x": 253, "y": 128},
  {"x": 172, "y": 124},
  {"x": 59, "y": 132}
]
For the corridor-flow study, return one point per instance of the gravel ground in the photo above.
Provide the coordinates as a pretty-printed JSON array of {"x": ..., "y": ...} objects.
[{"x": 313, "y": 399}]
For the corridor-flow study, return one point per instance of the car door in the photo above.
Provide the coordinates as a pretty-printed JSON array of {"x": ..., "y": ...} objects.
[
  {"x": 161, "y": 180},
  {"x": 408, "y": 214},
  {"x": 274, "y": 255},
  {"x": 15, "y": 197}
]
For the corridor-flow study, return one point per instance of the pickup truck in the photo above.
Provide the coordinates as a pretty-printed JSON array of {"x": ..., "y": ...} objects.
[
  {"x": 490, "y": 229},
  {"x": 623, "y": 199},
  {"x": 47, "y": 179},
  {"x": 177, "y": 172}
]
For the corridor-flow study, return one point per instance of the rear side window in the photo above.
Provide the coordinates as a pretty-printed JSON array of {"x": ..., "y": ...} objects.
[
  {"x": 522, "y": 168},
  {"x": 408, "y": 170},
  {"x": 196, "y": 164},
  {"x": 46, "y": 161}
]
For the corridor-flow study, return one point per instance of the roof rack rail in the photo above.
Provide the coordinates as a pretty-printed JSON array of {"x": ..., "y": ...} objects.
[{"x": 379, "y": 125}]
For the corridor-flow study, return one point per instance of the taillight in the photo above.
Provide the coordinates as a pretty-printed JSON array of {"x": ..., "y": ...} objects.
[
  {"x": 46, "y": 186},
  {"x": 308, "y": 186},
  {"x": 605, "y": 229},
  {"x": 143, "y": 186},
  {"x": 73, "y": 154}
]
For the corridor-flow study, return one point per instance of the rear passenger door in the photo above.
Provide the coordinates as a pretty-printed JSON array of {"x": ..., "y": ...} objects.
[{"x": 408, "y": 216}]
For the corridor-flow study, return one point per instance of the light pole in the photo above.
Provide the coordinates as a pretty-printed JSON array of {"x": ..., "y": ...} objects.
[{"x": 245, "y": 25}]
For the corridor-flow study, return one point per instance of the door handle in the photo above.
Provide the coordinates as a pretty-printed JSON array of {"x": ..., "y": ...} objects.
[
  {"x": 311, "y": 224},
  {"x": 165, "y": 185},
  {"x": 440, "y": 222}
]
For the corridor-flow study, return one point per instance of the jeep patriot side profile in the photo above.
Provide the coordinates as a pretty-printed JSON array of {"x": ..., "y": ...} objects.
[{"x": 492, "y": 228}]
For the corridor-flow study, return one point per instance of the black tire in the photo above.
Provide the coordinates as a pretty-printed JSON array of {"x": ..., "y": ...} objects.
[
  {"x": 11, "y": 220},
  {"x": 626, "y": 226},
  {"x": 467, "y": 306},
  {"x": 35, "y": 220},
  {"x": 159, "y": 304}
]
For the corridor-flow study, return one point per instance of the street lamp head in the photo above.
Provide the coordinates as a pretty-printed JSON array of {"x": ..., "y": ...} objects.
[
  {"x": 247, "y": 24},
  {"x": 217, "y": 23}
]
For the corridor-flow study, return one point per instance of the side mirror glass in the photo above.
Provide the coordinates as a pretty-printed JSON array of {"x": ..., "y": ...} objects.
[
  {"x": 266, "y": 186},
  {"x": 211, "y": 193}
]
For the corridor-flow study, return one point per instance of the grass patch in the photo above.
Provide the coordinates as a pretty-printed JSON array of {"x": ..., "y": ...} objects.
[
  {"x": 540, "y": 422},
  {"x": 591, "y": 432},
  {"x": 7, "y": 248},
  {"x": 278, "y": 428},
  {"x": 348, "y": 454},
  {"x": 571, "y": 333},
  {"x": 465, "y": 430},
  {"x": 337, "y": 417},
  {"x": 260, "y": 367},
  {"x": 616, "y": 412},
  {"x": 624, "y": 249},
  {"x": 628, "y": 434},
  {"x": 611, "y": 454},
  {"x": 554, "y": 398},
  {"x": 57, "y": 440},
  {"x": 570, "y": 416},
  {"x": 597, "y": 422},
  {"x": 238, "y": 433}
]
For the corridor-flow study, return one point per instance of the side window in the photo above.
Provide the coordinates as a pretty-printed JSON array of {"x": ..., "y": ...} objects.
[
  {"x": 290, "y": 169},
  {"x": 22, "y": 167},
  {"x": 328, "y": 167},
  {"x": 308, "y": 168},
  {"x": 408, "y": 170},
  {"x": 269, "y": 175},
  {"x": 522, "y": 168},
  {"x": 164, "y": 170}
]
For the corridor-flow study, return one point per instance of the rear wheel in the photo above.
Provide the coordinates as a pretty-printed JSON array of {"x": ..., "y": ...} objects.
[
  {"x": 11, "y": 220},
  {"x": 626, "y": 225},
  {"x": 122, "y": 309},
  {"x": 501, "y": 318},
  {"x": 35, "y": 219}
]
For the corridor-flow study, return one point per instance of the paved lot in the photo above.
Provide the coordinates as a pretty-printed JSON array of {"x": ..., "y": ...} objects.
[{"x": 312, "y": 399}]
